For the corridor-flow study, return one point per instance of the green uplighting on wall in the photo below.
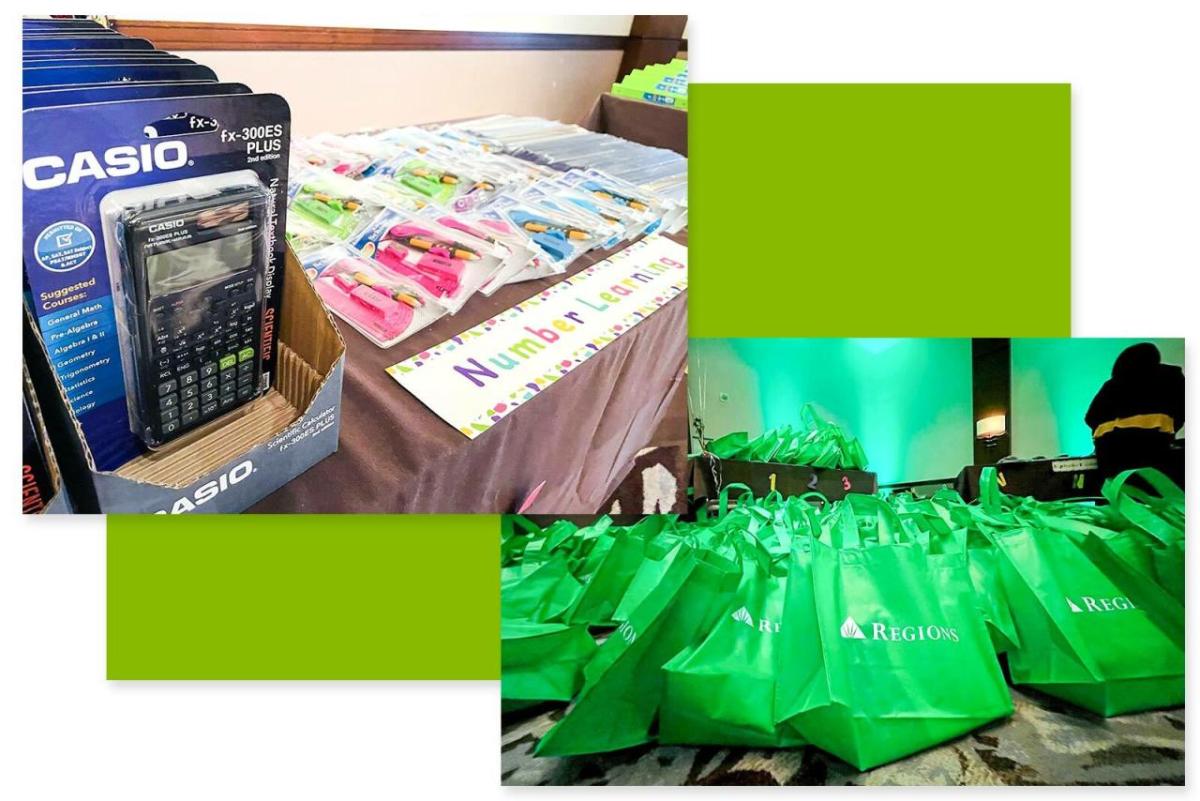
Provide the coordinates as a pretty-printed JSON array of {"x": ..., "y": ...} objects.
[
  {"x": 1053, "y": 383},
  {"x": 907, "y": 400}
]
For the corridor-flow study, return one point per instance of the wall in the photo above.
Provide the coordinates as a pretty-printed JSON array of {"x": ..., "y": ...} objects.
[
  {"x": 907, "y": 400},
  {"x": 1054, "y": 381},
  {"x": 349, "y": 90},
  {"x": 367, "y": 16}
]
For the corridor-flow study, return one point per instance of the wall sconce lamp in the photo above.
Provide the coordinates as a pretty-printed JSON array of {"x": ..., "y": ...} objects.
[{"x": 990, "y": 428}]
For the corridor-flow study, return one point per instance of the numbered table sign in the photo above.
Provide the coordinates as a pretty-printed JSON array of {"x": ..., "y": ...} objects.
[{"x": 787, "y": 479}]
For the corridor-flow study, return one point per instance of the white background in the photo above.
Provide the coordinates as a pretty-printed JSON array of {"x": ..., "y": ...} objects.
[{"x": 67, "y": 733}]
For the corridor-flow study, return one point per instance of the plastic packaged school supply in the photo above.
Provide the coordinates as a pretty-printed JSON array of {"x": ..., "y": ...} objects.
[
  {"x": 332, "y": 203},
  {"x": 384, "y": 308},
  {"x": 450, "y": 265}
]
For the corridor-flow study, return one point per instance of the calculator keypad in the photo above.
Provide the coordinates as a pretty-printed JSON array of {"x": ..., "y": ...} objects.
[{"x": 208, "y": 368}]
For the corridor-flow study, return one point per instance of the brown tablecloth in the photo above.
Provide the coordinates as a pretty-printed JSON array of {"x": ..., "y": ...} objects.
[{"x": 580, "y": 437}]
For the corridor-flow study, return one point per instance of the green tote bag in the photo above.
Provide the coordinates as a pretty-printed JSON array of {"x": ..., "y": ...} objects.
[
  {"x": 722, "y": 692},
  {"x": 542, "y": 661},
  {"x": 623, "y": 683},
  {"x": 897, "y": 658},
  {"x": 1093, "y": 630},
  {"x": 1160, "y": 514}
]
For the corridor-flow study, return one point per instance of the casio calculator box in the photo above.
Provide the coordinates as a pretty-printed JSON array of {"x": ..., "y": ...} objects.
[
  {"x": 42, "y": 489},
  {"x": 229, "y": 466}
]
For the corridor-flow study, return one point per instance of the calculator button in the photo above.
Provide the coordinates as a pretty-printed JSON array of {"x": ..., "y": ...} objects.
[
  {"x": 189, "y": 392},
  {"x": 227, "y": 388},
  {"x": 245, "y": 368},
  {"x": 168, "y": 414},
  {"x": 227, "y": 361},
  {"x": 227, "y": 401},
  {"x": 208, "y": 369},
  {"x": 209, "y": 409},
  {"x": 166, "y": 387},
  {"x": 190, "y": 417},
  {"x": 209, "y": 384},
  {"x": 190, "y": 405},
  {"x": 228, "y": 375},
  {"x": 245, "y": 392},
  {"x": 208, "y": 397},
  {"x": 245, "y": 354},
  {"x": 170, "y": 427},
  {"x": 167, "y": 401},
  {"x": 187, "y": 379},
  {"x": 245, "y": 380}
]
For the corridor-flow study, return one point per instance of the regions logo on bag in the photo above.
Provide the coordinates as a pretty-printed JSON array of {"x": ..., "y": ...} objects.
[
  {"x": 743, "y": 615},
  {"x": 1118, "y": 603},
  {"x": 850, "y": 630}
]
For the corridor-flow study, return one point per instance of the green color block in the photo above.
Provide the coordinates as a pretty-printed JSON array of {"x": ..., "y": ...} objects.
[
  {"x": 303, "y": 597},
  {"x": 879, "y": 210},
  {"x": 823, "y": 210},
  {"x": 228, "y": 361}
]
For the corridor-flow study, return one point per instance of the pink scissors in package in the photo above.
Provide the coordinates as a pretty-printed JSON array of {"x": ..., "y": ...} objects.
[
  {"x": 384, "y": 312},
  {"x": 420, "y": 254}
]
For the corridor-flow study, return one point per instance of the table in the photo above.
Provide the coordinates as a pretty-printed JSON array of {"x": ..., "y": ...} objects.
[{"x": 580, "y": 437}]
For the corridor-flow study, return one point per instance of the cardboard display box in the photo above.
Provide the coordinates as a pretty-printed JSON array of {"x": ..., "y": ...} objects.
[
  {"x": 709, "y": 474},
  {"x": 645, "y": 123},
  {"x": 238, "y": 461},
  {"x": 35, "y": 499}
]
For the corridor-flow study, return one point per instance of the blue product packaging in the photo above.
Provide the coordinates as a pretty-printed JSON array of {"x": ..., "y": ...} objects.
[
  {"x": 37, "y": 98},
  {"x": 50, "y": 24},
  {"x": 105, "y": 61},
  {"x": 69, "y": 76},
  {"x": 93, "y": 42},
  {"x": 76, "y": 157},
  {"x": 105, "y": 84},
  {"x": 29, "y": 59}
]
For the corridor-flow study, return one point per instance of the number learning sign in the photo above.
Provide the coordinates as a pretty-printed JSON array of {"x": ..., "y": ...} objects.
[{"x": 475, "y": 379}]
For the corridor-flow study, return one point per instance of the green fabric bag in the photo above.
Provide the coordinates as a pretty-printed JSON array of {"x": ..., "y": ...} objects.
[
  {"x": 815, "y": 443},
  {"x": 1093, "y": 630},
  {"x": 722, "y": 692},
  {"x": 623, "y": 682},
  {"x": 1160, "y": 516},
  {"x": 948, "y": 519},
  {"x": 606, "y": 586},
  {"x": 542, "y": 595},
  {"x": 876, "y": 632},
  {"x": 660, "y": 554},
  {"x": 542, "y": 661}
]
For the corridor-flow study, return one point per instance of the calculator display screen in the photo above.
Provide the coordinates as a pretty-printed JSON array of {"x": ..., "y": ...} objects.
[{"x": 175, "y": 270}]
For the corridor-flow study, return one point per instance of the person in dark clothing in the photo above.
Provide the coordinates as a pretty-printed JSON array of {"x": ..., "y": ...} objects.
[{"x": 1136, "y": 413}]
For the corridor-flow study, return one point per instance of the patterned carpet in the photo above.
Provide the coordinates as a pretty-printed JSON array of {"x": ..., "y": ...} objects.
[{"x": 1045, "y": 742}]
